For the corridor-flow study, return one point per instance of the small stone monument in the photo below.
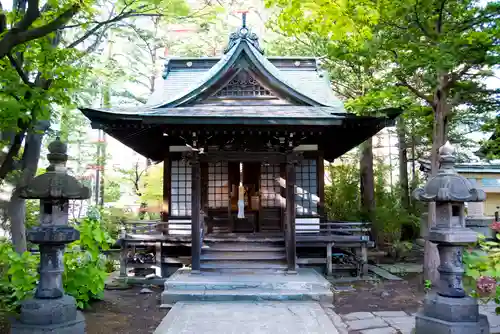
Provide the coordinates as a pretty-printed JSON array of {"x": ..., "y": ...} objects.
[
  {"x": 450, "y": 311},
  {"x": 52, "y": 311}
]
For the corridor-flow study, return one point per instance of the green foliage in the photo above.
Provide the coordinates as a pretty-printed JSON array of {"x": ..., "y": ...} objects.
[
  {"x": 491, "y": 148},
  {"x": 482, "y": 270},
  {"x": 112, "y": 218},
  {"x": 18, "y": 277},
  {"x": 427, "y": 285},
  {"x": 32, "y": 213},
  {"x": 342, "y": 202},
  {"x": 152, "y": 184},
  {"x": 83, "y": 278},
  {"x": 381, "y": 55},
  {"x": 112, "y": 191},
  {"x": 342, "y": 197},
  {"x": 85, "y": 266}
]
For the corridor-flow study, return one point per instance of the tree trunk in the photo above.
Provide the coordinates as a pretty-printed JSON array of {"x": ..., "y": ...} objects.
[
  {"x": 403, "y": 163},
  {"x": 439, "y": 135},
  {"x": 17, "y": 205},
  {"x": 367, "y": 186}
]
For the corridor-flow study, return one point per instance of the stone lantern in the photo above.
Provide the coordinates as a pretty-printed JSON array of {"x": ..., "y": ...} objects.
[
  {"x": 52, "y": 311},
  {"x": 450, "y": 311}
]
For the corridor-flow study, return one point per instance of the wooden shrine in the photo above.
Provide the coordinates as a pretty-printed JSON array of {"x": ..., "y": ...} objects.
[{"x": 243, "y": 139}]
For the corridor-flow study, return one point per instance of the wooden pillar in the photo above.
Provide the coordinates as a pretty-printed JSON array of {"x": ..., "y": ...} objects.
[
  {"x": 123, "y": 253},
  {"x": 290, "y": 217},
  {"x": 321, "y": 185},
  {"x": 329, "y": 264},
  {"x": 167, "y": 181},
  {"x": 195, "y": 213}
]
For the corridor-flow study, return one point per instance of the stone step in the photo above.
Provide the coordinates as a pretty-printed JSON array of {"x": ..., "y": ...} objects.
[
  {"x": 243, "y": 265},
  {"x": 173, "y": 296},
  {"x": 241, "y": 256},
  {"x": 224, "y": 284}
]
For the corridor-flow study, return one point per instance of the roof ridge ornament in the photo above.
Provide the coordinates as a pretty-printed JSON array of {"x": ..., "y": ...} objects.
[{"x": 243, "y": 34}]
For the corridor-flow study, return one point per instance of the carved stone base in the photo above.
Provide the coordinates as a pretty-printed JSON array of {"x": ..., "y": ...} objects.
[
  {"x": 76, "y": 326},
  {"x": 426, "y": 325},
  {"x": 451, "y": 309},
  {"x": 444, "y": 315},
  {"x": 49, "y": 316}
]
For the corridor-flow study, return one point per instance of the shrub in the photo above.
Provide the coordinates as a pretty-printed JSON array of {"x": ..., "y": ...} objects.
[
  {"x": 85, "y": 269},
  {"x": 343, "y": 202},
  {"x": 482, "y": 271},
  {"x": 18, "y": 276}
]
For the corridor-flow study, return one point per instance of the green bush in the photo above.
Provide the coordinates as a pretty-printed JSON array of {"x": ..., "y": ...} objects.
[
  {"x": 85, "y": 268},
  {"x": 482, "y": 270},
  {"x": 112, "y": 219},
  {"x": 343, "y": 202},
  {"x": 18, "y": 276}
]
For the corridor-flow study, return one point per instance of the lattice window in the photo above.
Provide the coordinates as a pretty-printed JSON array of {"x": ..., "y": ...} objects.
[
  {"x": 218, "y": 180},
  {"x": 306, "y": 189},
  {"x": 243, "y": 85},
  {"x": 269, "y": 186},
  {"x": 181, "y": 189}
]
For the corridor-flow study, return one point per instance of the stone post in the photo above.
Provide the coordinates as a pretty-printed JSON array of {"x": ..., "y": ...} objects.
[
  {"x": 450, "y": 311},
  {"x": 52, "y": 311}
]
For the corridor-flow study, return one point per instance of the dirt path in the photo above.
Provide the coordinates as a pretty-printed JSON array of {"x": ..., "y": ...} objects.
[
  {"x": 125, "y": 312},
  {"x": 406, "y": 295}
]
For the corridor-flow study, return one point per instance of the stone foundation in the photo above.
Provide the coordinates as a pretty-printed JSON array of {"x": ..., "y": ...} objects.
[
  {"x": 49, "y": 316},
  {"x": 76, "y": 326},
  {"x": 427, "y": 325}
]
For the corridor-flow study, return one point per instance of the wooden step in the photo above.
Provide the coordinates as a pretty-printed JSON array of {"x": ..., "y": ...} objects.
[
  {"x": 243, "y": 256},
  {"x": 242, "y": 247}
]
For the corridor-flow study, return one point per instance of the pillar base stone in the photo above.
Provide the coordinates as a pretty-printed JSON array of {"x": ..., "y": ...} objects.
[
  {"x": 76, "y": 326},
  {"x": 58, "y": 316},
  {"x": 426, "y": 325},
  {"x": 451, "y": 309},
  {"x": 445, "y": 315}
]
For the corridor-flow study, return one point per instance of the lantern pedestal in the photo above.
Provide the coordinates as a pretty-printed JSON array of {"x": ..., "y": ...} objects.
[
  {"x": 445, "y": 315},
  {"x": 51, "y": 310},
  {"x": 58, "y": 316}
]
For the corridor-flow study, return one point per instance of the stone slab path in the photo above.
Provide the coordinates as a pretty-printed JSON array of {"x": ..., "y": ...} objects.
[
  {"x": 393, "y": 322},
  {"x": 247, "y": 318}
]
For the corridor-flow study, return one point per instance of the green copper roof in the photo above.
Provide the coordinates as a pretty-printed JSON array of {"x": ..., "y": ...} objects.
[
  {"x": 207, "y": 114},
  {"x": 305, "y": 83}
]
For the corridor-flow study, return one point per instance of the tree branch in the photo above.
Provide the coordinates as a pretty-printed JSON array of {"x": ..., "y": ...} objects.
[
  {"x": 32, "y": 13},
  {"x": 20, "y": 71},
  {"x": 458, "y": 75},
  {"x": 15, "y": 147},
  {"x": 15, "y": 37},
  {"x": 3, "y": 19},
  {"x": 417, "y": 19},
  {"x": 439, "y": 24},
  {"x": 415, "y": 91}
]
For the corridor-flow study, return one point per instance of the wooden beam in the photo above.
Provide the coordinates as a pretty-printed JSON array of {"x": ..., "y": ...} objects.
[
  {"x": 270, "y": 157},
  {"x": 290, "y": 217},
  {"x": 195, "y": 213}
]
